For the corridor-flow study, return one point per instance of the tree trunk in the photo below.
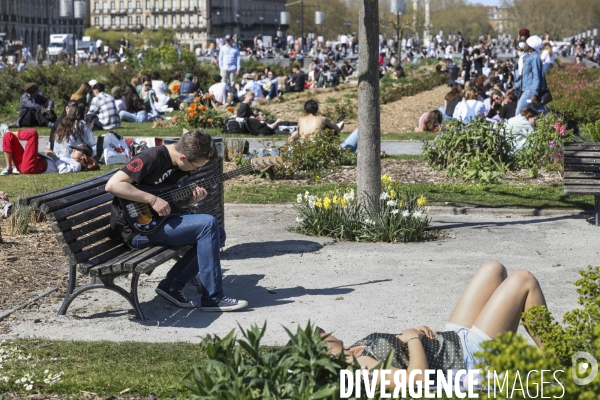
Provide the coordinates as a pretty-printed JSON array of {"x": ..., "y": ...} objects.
[{"x": 369, "y": 139}]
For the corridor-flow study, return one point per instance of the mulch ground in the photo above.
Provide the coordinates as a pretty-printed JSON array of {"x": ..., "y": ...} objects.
[{"x": 32, "y": 263}]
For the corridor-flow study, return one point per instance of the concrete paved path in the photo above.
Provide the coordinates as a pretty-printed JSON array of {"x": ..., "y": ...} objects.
[
  {"x": 390, "y": 147},
  {"x": 350, "y": 288}
]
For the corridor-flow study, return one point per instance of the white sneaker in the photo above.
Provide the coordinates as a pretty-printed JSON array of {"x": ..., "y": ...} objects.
[{"x": 341, "y": 124}]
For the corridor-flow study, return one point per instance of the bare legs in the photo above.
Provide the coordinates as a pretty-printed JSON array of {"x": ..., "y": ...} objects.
[{"x": 494, "y": 302}]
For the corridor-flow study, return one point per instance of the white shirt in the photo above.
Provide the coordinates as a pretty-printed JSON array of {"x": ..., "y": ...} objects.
[
  {"x": 63, "y": 165},
  {"x": 159, "y": 87},
  {"x": 99, "y": 44},
  {"x": 219, "y": 92},
  {"x": 61, "y": 149},
  {"x": 461, "y": 110}
]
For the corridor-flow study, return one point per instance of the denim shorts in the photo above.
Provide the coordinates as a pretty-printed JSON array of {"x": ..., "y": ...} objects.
[{"x": 470, "y": 339}]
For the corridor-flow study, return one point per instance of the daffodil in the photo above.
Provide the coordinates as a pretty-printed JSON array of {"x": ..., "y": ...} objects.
[
  {"x": 343, "y": 202},
  {"x": 391, "y": 203},
  {"x": 384, "y": 196},
  {"x": 319, "y": 203},
  {"x": 421, "y": 201},
  {"x": 394, "y": 212},
  {"x": 299, "y": 198},
  {"x": 386, "y": 180},
  {"x": 336, "y": 200},
  {"x": 327, "y": 203},
  {"x": 393, "y": 194},
  {"x": 405, "y": 213}
]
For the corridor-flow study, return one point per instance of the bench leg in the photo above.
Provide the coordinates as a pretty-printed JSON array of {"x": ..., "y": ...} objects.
[{"x": 102, "y": 282}]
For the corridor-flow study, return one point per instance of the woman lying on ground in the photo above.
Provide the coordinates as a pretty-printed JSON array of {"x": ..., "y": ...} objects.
[
  {"x": 312, "y": 124},
  {"x": 491, "y": 304},
  {"x": 28, "y": 161}
]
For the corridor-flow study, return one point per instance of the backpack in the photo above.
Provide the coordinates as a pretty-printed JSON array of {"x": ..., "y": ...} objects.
[{"x": 232, "y": 125}]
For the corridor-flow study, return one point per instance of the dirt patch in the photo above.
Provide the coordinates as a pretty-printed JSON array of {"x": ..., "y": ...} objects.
[
  {"x": 29, "y": 264},
  {"x": 398, "y": 117},
  {"x": 406, "y": 171}
]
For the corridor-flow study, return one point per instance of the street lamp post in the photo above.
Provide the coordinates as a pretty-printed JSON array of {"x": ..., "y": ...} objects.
[
  {"x": 261, "y": 18},
  {"x": 208, "y": 19}
]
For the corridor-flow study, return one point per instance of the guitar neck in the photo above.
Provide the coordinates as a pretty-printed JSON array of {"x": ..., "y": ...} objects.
[{"x": 215, "y": 180}]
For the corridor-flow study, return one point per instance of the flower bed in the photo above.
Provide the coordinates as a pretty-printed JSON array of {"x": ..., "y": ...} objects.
[
  {"x": 576, "y": 90},
  {"x": 401, "y": 218}
]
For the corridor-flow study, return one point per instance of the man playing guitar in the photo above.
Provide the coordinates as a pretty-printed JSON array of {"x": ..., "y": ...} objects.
[{"x": 168, "y": 164}]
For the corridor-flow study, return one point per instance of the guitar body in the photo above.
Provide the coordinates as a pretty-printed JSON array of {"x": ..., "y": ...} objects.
[{"x": 142, "y": 218}]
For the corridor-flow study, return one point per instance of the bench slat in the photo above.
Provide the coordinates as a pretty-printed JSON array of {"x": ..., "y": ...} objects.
[
  {"x": 71, "y": 235},
  {"x": 581, "y": 174},
  {"x": 590, "y": 146},
  {"x": 56, "y": 193},
  {"x": 77, "y": 208},
  {"x": 582, "y": 182},
  {"x": 76, "y": 198},
  {"x": 582, "y": 160},
  {"x": 85, "y": 267},
  {"x": 582, "y": 167},
  {"x": 106, "y": 267},
  {"x": 80, "y": 244},
  {"x": 581, "y": 153},
  {"x": 153, "y": 262},
  {"x": 130, "y": 264},
  {"x": 95, "y": 250},
  {"x": 67, "y": 224},
  {"x": 582, "y": 189}
]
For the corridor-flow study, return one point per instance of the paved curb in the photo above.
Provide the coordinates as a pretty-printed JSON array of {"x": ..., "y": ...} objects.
[{"x": 442, "y": 210}]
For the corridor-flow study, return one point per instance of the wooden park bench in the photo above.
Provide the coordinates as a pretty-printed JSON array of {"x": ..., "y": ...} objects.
[
  {"x": 80, "y": 217},
  {"x": 582, "y": 171}
]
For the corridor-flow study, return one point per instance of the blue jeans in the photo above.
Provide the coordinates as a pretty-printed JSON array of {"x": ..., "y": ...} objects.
[
  {"x": 202, "y": 231},
  {"x": 351, "y": 142},
  {"x": 140, "y": 116},
  {"x": 272, "y": 91},
  {"x": 523, "y": 104},
  {"x": 444, "y": 116}
]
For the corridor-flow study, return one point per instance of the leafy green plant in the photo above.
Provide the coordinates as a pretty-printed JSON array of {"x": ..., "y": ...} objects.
[
  {"x": 341, "y": 111},
  {"x": 544, "y": 147},
  {"x": 593, "y": 129},
  {"x": 337, "y": 214},
  {"x": 314, "y": 157},
  {"x": 579, "y": 331},
  {"x": 394, "y": 89},
  {"x": 474, "y": 151},
  {"x": 240, "y": 369},
  {"x": 575, "y": 89}
]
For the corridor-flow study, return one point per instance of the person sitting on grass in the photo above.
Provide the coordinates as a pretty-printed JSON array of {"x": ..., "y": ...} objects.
[
  {"x": 103, "y": 110},
  {"x": 522, "y": 125},
  {"x": 244, "y": 110},
  {"x": 219, "y": 90},
  {"x": 451, "y": 100},
  {"x": 491, "y": 304},
  {"x": 312, "y": 123},
  {"x": 260, "y": 125},
  {"x": 71, "y": 131},
  {"x": 135, "y": 109},
  {"x": 188, "y": 90},
  {"x": 28, "y": 161},
  {"x": 469, "y": 108},
  {"x": 35, "y": 109}
]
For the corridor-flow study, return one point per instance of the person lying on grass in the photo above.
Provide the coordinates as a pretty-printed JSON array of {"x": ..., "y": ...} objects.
[
  {"x": 491, "y": 304},
  {"x": 28, "y": 161}
]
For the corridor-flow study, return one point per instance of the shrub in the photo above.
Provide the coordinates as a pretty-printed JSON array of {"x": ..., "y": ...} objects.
[
  {"x": 313, "y": 157},
  {"x": 593, "y": 129},
  {"x": 200, "y": 114},
  {"x": 394, "y": 89},
  {"x": 341, "y": 111},
  {"x": 401, "y": 216},
  {"x": 474, "y": 151},
  {"x": 241, "y": 369},
  {"x": 544, "y": 149},
  {"x": 576, "y": 90},
  {"x": 579, "y": 331}
]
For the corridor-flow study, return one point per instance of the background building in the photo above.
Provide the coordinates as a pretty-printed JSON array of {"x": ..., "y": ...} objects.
[
  {"x": 197, "y": 22},
  {"x": 33, "y": 21}
]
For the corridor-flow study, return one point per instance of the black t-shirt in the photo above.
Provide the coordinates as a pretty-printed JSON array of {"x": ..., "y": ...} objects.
[
  {"x": 244, "y": 111},
  {"x": 466, "y": 58},
  {"x": 478, "y": 61},
  {"x": 152, "y": 167},
  {"x": 509, "y": 110},
  {"x": 298, "y": 79}
]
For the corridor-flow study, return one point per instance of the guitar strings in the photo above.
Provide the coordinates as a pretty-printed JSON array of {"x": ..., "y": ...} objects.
[{"x": 187, "y": 190}]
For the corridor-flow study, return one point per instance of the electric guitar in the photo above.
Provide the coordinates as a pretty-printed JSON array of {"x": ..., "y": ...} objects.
[{"x": 144, "y": 220}]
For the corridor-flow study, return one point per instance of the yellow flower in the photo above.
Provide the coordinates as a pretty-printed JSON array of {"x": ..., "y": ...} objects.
[
  {"x": 399, "y": 203},
  {"x": 386, "y": 180},
  {"x": 336, "y": 200},
  {"x": 421, "y": 201},
  {"x": 319, "y": 203},
  {"x": 343, "y": 202},
  {"x": 327, "y": 203},
  {"x": 393, "y": 194},
  {"x": 317, "y": 178}
]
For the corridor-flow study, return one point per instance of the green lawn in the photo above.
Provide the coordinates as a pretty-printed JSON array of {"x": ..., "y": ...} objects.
[
  {"x": 503, "y": 196},
  {"x": 103, "y": 368}
]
